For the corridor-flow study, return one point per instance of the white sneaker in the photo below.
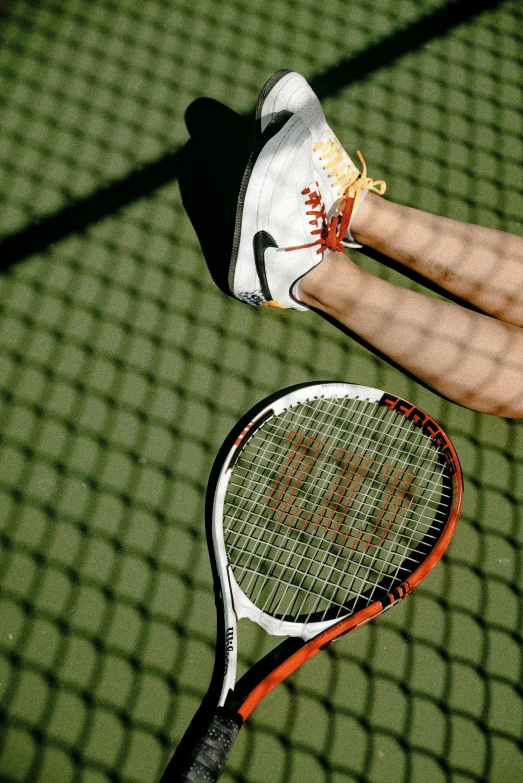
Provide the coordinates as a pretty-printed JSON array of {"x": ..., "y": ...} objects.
[
  {"x": 281, "y": 228},
  {"x": 343, "y": 186}
]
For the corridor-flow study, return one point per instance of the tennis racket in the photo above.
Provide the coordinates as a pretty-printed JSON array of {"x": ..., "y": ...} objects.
[{"x": 327, "y": 504}]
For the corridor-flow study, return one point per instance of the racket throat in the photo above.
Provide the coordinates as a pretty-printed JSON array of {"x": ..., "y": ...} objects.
[{"x": 261, "y": 670}]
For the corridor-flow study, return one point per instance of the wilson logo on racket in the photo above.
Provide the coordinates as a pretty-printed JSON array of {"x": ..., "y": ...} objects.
[
  {"x": 229, "y": 640},
  {"x": 229, "y": 648},
  {"x": 352, "y": 474},
  {"x": 324, "y": 509}
]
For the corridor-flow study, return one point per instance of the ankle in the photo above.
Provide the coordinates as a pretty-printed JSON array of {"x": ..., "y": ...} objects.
[
  {"x": 325, "y": 283},
  {"x": 364, "y": 221}
]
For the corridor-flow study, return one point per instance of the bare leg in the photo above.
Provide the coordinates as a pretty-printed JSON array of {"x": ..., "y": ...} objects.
[
  {"x": 480, "y": 265},
  {"x": 471, "y": 358}
]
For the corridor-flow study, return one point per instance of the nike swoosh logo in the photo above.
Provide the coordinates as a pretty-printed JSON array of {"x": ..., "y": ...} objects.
[{"x": 262, "y": 240}]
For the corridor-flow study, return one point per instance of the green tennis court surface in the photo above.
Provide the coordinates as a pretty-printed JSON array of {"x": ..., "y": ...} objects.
[{"x": 122, "y": 368}]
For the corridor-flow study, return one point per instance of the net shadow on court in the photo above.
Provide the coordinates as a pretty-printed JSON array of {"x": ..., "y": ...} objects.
[{"x": 122, "y": 367}]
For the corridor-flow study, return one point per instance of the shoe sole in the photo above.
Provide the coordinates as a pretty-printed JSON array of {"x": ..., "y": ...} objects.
[
  {"x": 276, "y": 124},
  {"x": 265, "y": 90}
]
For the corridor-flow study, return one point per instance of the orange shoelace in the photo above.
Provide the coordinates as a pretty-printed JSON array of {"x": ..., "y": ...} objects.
[
  {"x": 329, "y": 235},
  {"x": 319, "y": 220}
]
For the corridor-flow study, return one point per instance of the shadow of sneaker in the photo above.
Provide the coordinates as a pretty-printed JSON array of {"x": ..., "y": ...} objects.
[{"x": 212, "y": 167}]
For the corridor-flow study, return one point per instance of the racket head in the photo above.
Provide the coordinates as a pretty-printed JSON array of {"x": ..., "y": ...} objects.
[{"x": 327, "y": 504}]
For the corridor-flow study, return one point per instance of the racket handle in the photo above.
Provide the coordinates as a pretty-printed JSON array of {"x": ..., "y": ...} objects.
[{"x": 209, "y": 757}]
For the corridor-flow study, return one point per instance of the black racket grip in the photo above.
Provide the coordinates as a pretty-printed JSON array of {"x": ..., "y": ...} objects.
[{"x": 210, "y": 755}]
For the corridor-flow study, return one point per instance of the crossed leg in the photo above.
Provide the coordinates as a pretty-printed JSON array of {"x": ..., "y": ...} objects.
[{"x": 472, "y": 358}]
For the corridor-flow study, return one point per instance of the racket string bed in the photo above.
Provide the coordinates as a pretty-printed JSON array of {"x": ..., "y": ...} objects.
[
  {"x": 272, "y": 551},
  {"x": 358, "y": 537}
]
